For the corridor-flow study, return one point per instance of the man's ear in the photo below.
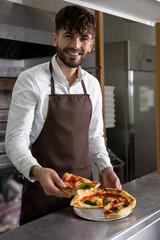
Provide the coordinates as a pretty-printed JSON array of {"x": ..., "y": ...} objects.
[
  {"x": 54, "y": 39},
  {"x": 91, "y": 44}
]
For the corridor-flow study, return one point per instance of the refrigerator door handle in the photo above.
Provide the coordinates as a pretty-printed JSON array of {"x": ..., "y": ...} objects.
[
  {"x": 130, "y": 126},
  {"x": 131, "y": 97}
]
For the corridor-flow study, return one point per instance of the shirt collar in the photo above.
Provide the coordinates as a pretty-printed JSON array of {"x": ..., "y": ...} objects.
[{"x": 59, "y": 76}]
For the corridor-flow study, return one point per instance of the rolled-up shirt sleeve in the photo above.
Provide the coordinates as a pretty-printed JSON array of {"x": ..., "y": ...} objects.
[
  {"x": 19, "y": 126},
  {"x": 97, "y": 147}
]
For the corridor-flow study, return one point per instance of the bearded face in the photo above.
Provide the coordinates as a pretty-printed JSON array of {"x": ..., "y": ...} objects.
[{"x": 72, "y": 47}]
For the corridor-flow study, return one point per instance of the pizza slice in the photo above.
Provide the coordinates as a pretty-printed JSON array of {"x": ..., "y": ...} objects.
[
  {"x": 76, "y": 185},
  {"x": 93, "y": 199},
  {"x": 117, "y": 203}
]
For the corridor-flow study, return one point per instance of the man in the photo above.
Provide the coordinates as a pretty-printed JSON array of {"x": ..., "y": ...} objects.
[{"x": 55, "y": 120}]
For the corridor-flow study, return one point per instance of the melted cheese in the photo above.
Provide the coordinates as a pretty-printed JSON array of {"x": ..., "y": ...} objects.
[
  {"x": 111, "y": 203},
  {"x": 78, "y": 183},
  {"x": 97, "y": 200},
  {"x": 87, "y": 181},
  {"x": 108, "y": 206}
]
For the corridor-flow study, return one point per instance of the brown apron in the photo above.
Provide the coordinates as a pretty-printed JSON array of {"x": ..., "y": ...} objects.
[{"x": 63, "y": 146}]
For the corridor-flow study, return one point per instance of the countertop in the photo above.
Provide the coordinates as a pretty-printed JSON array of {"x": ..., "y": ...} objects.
[{"x": 65, "y": 224}]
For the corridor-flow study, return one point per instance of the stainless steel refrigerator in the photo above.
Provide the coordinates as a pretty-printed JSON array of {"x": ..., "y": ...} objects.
[{"x": 130, "y": 68}]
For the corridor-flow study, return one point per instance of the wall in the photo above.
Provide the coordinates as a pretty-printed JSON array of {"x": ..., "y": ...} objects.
[{"x": 118, "y": 29}]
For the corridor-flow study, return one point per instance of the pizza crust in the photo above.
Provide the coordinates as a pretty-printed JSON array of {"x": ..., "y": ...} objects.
[
  {"x": 124, "y": 212},
  {"x": 123, "y": 209},
  {"x": 75, "y": 191}
]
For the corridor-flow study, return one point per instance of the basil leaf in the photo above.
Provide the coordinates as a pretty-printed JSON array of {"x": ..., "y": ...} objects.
[
  {"x": 113, "y": 209},
  {"x": 85, "y": 186},
  {"x": 105, "y": 201},
  {"x": 126, "y": 205},
  {"x": 89, "y": 202}
]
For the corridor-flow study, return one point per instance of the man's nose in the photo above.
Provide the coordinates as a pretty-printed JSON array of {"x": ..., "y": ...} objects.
[{"x": 76, "y": 43}]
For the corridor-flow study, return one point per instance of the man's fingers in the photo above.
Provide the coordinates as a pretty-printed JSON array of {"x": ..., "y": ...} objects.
[
  {"x": 118, "y": 185},
  {"x": 58, "y": 180},
  {"x": 51, "y": 183},
  {"x": 111, "y": 180},
  {"x": 53, "y": 190}
]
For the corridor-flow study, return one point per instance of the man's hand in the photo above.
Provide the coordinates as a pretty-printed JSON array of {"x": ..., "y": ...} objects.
[
  {"x": 110, "y": 179},
  {"x": 48, "y": 178}
]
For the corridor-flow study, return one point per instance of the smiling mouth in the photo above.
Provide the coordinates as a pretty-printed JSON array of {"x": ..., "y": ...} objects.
[{"x": 74, "y": 53}]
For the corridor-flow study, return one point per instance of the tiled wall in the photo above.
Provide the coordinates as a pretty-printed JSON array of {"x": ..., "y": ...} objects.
[{"x": 118, "y": 29}]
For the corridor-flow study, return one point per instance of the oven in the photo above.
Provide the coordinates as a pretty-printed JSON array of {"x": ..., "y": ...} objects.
[{"x": 25, "y": 40}]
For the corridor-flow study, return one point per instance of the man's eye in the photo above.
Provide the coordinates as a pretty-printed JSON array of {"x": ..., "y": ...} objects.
[
  {"x": 68, "y": 36},
  {"x": 85, "y": 39}
]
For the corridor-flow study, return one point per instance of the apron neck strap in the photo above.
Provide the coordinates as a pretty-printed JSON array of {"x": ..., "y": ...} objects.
[
  {"x": 83, "y": 86},
  {"x": 52, "y": 81}
]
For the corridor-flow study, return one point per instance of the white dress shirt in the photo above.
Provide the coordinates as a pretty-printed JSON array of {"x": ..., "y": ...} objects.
[{"x": 28, "y": 112}]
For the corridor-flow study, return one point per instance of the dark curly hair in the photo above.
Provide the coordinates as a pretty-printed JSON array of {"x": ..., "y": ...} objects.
[{"x": 75, "y": 18}]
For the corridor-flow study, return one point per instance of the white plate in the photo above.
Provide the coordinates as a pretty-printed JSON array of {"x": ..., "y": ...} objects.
[{"x": 93, "y": 214}]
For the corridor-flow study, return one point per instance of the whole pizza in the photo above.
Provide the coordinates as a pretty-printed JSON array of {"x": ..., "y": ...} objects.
[{"x": 114, "y": 202}]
